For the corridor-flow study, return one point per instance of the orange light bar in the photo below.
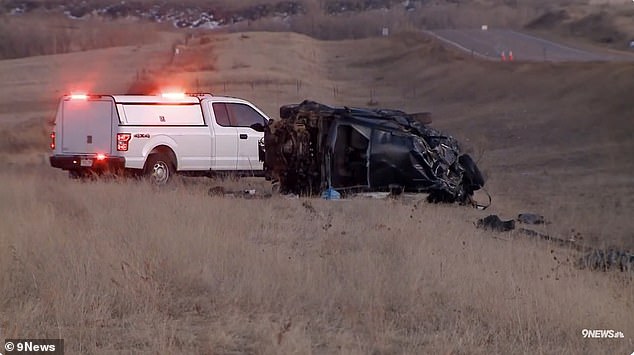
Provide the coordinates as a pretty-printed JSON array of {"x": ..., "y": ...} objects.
[
  {"x": 79, "y": 96},
  {"x": 173, "y": 95}
]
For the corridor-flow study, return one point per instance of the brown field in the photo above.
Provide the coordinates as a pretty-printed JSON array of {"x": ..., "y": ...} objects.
[{"x": 117, "y": 266}]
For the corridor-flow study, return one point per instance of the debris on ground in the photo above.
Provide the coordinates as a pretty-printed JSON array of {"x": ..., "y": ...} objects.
[
  {"x": 330, "y": 194},
  {"x": 592, "y": 259},
  {"x": 530, "y": 218},
  {"x": 245, "y": 193},
  {"x": 216, "y": 191},
  {"x": 607, "y": 259},
  {"x": 314, "y": 148},
  {"x": 494, "y": 223}
]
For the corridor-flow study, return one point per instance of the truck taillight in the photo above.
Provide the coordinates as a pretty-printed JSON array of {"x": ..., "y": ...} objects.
[
  {"x": 52, "y": 145},
  {"x": 122, "y": 141}
]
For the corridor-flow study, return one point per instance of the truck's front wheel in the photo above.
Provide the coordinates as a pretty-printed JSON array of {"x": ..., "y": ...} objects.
[{"x": 159, "y": 169}]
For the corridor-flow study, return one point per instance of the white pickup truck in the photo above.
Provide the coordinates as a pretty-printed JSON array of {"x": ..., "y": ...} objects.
[{"x": 157, "y": 135}]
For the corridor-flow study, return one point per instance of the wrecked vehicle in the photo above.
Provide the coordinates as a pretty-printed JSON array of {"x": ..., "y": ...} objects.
[{"x": 315, "y": 147}]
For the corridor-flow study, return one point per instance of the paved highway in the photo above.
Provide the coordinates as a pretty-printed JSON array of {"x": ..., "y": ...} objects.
[{"x": 491, "y": 43}]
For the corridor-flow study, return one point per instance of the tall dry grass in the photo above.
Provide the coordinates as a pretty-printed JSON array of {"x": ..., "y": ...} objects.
[
  {"x": 120, "y": 267},
  {"x": 43, "y": 34}
]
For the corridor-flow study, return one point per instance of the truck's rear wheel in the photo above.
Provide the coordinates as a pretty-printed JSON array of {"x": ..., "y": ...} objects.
[{"x": 159, "y": 169}]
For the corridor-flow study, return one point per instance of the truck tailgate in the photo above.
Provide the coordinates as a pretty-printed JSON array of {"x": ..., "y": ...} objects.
[{"x": 87, "y": 126}]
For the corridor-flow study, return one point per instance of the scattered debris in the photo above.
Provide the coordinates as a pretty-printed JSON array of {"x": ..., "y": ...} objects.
[
  {"x": 494, "y": 223},
  {"x": 247, "y": 193},
  {"x": 568, "y": 243},
  {"x": 331, "y": 194},
  {"x": 532, "y": 233},
  {"x": 216, "y": 191},
  {"x": 309, "y": 207},
  {"x": 314, "y": 147},
  {"x": 530, "y": 218},
  {"x": 593, "y": 259},
  {"x": 375, "y": 195},
  {"x": 607, "y": 259}
]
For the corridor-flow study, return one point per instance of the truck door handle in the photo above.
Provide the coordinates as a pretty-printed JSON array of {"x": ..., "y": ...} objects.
[{"x": 243, "y": 136}]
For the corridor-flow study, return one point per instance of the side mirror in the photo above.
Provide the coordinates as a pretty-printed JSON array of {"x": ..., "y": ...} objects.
[{"x": 258, "y": 127}]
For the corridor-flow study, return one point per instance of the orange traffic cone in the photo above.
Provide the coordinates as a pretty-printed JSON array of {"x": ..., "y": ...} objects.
[
  {"x": 503, "y": 57},
  {"x": 510, "y": 56}
]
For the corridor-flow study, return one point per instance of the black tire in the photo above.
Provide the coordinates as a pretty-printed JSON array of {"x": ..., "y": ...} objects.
[
  {"x": 472, "y": 178},
  {"x": 159, "y": 169}
]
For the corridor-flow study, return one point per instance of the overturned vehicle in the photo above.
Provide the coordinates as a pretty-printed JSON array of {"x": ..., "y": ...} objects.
[{"x": 315, "y": 148}]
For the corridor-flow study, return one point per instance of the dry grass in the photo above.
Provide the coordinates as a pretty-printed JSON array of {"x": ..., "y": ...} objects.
[
  {"x": 37, "y": 34},
  {"x": 121, "y": 267}
]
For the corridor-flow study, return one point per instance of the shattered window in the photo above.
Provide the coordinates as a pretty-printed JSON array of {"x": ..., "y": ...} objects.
[
  {"x": 222, "y": 117},
  {"x": 244, "y": 115}
]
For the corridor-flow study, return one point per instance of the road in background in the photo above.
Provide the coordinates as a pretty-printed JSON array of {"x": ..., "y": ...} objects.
[{"x": 491, "y": 43}]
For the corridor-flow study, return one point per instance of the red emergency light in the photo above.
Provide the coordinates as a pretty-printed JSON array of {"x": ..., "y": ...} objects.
[
  {"x": 173, "y": 95},
  {"x": 78, "y": 96}
]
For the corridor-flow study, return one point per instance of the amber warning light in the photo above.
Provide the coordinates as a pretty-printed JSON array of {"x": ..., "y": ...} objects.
[{"x": 52, "y": 145}]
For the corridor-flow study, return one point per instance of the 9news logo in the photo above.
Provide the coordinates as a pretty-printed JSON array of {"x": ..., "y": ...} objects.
[{"x": 34, "y": 346}]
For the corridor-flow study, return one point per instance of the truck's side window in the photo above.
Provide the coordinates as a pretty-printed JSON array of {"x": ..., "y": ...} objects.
[
  {"x": 244, "y": 115},
  {"x": 222, "y": 116}
]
